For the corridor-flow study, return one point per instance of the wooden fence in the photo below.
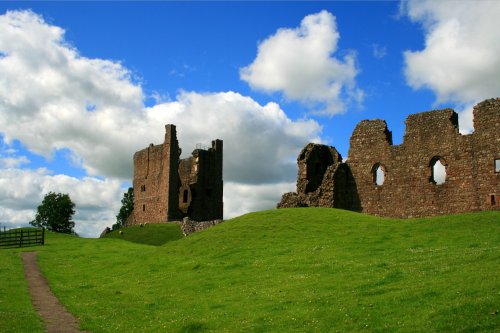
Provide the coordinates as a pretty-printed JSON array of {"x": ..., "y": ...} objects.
[{"x": 22, "y": 237}]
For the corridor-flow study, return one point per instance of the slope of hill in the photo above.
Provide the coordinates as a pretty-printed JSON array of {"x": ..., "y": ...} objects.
[
  {"x": 152, "y": 234},
  {"x": 291, "y": 270}
]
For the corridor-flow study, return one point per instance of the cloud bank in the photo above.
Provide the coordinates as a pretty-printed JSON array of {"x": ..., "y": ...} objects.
[
  {"x": 23, "y": 190},
  {"x": 300, "y": 63},
  {"x": 52, "y": 98}
]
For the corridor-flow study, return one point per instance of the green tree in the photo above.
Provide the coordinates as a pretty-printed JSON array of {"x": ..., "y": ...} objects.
[
  {"x": 56, "y": 213},
  {"x": 126, "y": 209}
]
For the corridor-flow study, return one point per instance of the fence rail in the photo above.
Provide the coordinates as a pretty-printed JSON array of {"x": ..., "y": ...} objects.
[{"x": 22, "y": 237}]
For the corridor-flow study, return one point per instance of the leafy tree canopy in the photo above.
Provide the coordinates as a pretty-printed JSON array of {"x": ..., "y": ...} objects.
[
  {"x": 56, "y": 213},
  {"x": 126, "y": 209}
]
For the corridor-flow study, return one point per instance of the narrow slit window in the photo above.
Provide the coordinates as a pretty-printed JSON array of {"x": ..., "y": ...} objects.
[
  {"x": 378, "y": 174},
  {"x": 185, "y": 196},
  {"x": 143, "y": 208},
  {"x": 493, "y": 200},
  {"x": 497, "y": 165}
]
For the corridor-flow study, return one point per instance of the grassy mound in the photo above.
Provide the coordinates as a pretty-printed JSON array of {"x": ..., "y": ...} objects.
[
  {"x": 291, "y": 270},
  {"x": 152, "y": 234}
]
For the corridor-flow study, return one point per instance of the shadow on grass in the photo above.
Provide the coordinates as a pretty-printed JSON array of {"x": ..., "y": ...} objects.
[{"x": 193, "y": 328}]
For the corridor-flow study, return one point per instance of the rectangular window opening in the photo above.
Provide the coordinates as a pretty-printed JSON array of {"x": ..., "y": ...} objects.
[
  {"x": 493, "y": 200},
  {"x": 143, "y": 208},
  {"x": 497, "y": 165}
]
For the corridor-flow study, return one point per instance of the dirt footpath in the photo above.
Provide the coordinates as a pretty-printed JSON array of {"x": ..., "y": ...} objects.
[{"x": 56, "y": 318}]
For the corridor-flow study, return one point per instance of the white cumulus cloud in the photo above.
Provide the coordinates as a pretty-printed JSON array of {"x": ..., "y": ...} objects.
[
  {"x": 253, "y": 197},
  {"x": 260, "y": 141},
  {"x": 46, "y": 88},
  {"x": 9, "y": 162},
  {"x": 460, "y": 62},
  {"x": 300, "y": 63}
]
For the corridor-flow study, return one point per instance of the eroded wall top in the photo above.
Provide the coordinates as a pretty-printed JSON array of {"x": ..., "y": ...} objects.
[{"x": 436, "y": 170}]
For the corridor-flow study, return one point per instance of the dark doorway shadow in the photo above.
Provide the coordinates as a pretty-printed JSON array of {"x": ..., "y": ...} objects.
[
  {"x": 319, "y": 159},
  {"x": 345, "y": 189}
]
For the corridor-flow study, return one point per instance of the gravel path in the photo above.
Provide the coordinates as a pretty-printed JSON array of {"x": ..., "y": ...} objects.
[{"x": 56, "y": 318}]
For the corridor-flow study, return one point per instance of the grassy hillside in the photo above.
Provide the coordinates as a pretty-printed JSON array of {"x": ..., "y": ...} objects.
[
  {"x": 293, "y": 270},
  {"x": 152, "y": 234}
]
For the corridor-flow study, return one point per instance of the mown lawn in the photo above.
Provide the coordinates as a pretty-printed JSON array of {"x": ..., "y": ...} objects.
[{"x": 291, "y": 270}]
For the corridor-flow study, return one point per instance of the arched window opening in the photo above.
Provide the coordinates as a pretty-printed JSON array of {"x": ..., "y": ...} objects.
[
  {"x": 438, "y": 168},
  {"x": 378, "y": 172},
  {"x": 185, "y": 196}
]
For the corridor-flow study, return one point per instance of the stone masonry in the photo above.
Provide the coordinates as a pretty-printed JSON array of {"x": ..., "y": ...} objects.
[
  {"x": 167, "y": 188},
  {"x": 398, "y": 180}
]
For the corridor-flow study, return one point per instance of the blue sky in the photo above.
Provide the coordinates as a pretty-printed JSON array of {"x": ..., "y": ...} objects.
[{"x": 85, "y": 84}]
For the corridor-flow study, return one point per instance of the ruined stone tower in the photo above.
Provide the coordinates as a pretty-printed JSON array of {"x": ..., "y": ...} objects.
[
  {"x": 400, "y": 180},
  {"x": 167, "y": 188}
]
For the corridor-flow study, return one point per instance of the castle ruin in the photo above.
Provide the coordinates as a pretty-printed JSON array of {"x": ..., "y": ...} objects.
[
  {"x": 400, "y": 180},
  {"x": 167, "y": 188}
]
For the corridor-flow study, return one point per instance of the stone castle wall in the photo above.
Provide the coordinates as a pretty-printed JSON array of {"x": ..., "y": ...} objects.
[
  {"x": 167, "y": 188},
  {"x": 409, "y": 188},
  {"x": 188, "y": 227}
]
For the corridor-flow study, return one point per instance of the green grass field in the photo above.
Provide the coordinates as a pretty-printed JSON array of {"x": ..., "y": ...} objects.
[
  {"x": 152, "y": 234},
  {"x": 290, "y": 270}
]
